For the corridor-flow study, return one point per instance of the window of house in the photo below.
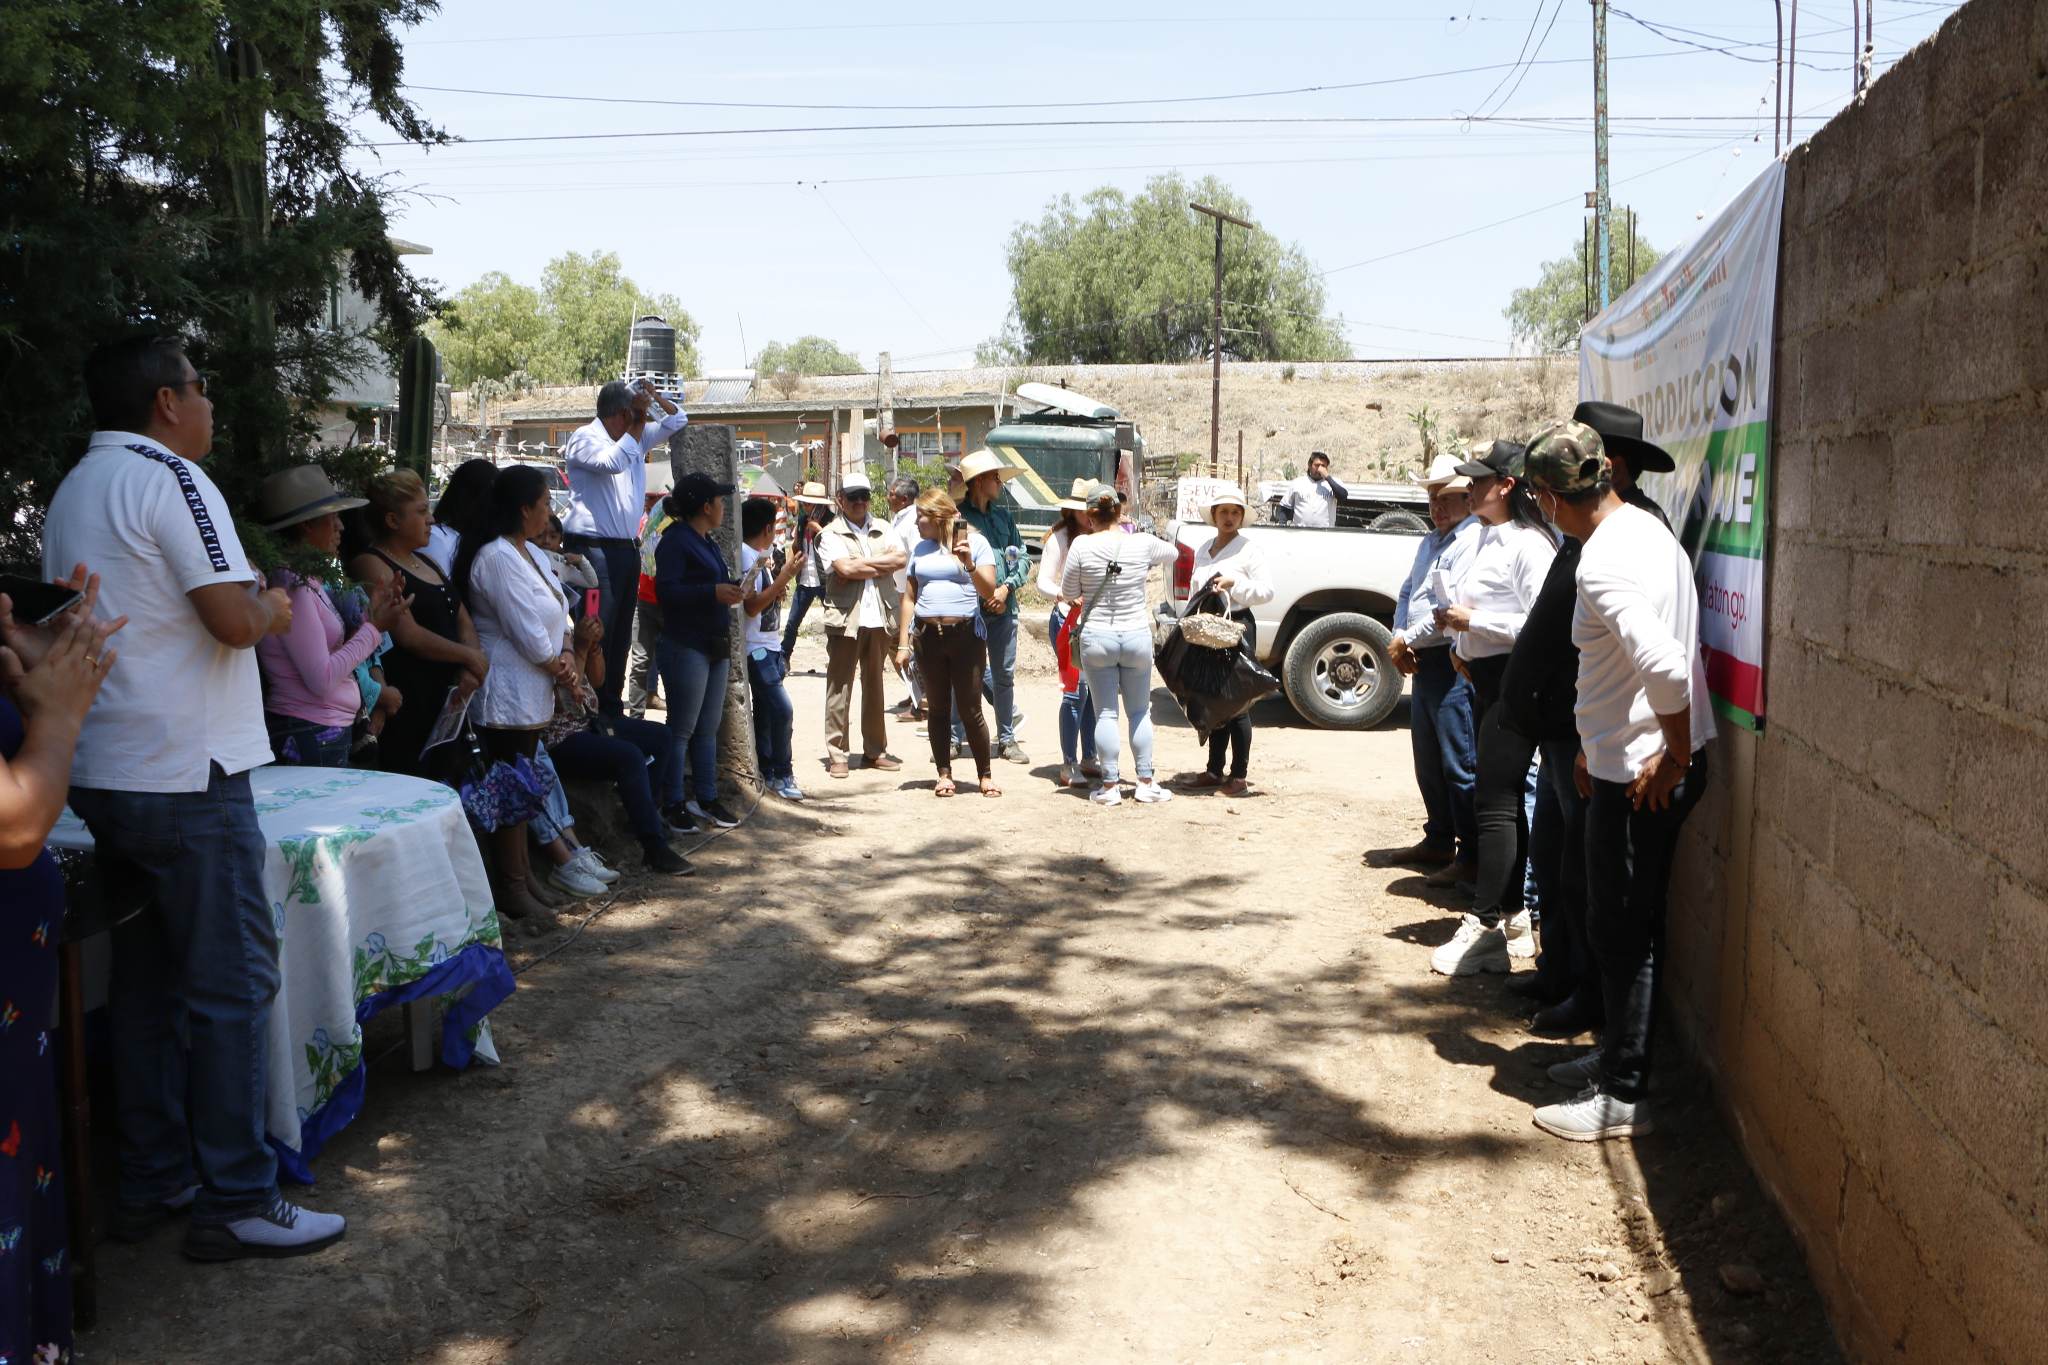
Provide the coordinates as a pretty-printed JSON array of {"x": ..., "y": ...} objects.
[{"x": 927, "y": 444}]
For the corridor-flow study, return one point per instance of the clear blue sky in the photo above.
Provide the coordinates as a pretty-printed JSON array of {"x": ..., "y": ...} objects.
[{"x": 894, "y": 240}]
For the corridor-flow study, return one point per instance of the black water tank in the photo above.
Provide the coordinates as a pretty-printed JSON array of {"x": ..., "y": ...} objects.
[{"x": 651, "y": 348}]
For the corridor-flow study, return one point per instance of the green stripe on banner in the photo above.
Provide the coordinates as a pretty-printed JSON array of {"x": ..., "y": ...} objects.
[{"x": 1736, "y": 491}]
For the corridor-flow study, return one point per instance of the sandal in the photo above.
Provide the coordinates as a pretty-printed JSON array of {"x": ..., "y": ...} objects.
[
  {"x": 988, "y": 786},
  {"x": 944, "y": 786}
]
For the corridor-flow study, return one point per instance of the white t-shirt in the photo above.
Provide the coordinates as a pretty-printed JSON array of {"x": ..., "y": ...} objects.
[
  {"x": 1121, "y": 603},
  {"x": 1637, "y": 626},
  {"x": 1312, "y": 501},
  {"x": 757, "y": 572},
  {"x": 154, "y": 527},
  {"x": 442, "y": 542}
]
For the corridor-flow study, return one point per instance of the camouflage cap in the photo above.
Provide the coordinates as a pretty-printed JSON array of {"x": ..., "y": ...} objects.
[{"x": 1566, "y": 457}]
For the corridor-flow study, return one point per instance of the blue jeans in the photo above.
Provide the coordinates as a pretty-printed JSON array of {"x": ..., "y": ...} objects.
[
  {"x": 1077, "y": 708},
  {"x": 1119, "y": 668},
  {"x": 1445, "y": 740},
  {"x": 774, "y": 716},
  {"x": 307, "y": 744},
  {"x": 634, "y": 758},
  {"x": 998, "y": 676},
  {"x": 800, "y": 601},
  {"x": 193, "y": 979},
  {"x": 695, "y": 684},
  {"x": 554, "y": 819}
]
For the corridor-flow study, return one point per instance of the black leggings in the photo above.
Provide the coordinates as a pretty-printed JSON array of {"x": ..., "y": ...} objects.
[
  {"x": 1237, "y": 735},
  {"x": 951, "y": 659},
  {"x": 1498, "y": 792}
]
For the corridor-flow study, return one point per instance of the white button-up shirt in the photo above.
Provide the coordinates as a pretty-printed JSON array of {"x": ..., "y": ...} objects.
[
  {"x": 608, "y": 479},
  {"x": 1499, "y": 581},
  {"x": 522, "y": 624}
]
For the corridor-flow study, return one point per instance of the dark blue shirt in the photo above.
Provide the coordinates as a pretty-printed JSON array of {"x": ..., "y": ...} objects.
[{"x": 687, "y": 571}]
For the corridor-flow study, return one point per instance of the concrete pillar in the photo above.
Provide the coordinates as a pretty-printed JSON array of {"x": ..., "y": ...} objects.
[{"x": 706, "y": 448}]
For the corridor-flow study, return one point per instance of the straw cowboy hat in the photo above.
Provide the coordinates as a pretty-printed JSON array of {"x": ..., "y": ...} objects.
[
  {"x": 813, "y": 493},
  {"x": 302, "y": 493},
  {"x": 1443, "y": 473},
  {"x": 1226, "y": 497},
  {"x": 1076, "y": 499},
  {"x": 985, "y": 462}
]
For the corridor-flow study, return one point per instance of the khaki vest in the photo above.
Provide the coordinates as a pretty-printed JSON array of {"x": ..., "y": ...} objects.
[{"x": 842, "y": 595}]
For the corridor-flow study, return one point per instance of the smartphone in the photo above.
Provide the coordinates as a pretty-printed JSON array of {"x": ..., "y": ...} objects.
[
  {"x": 959, "y": 531},
  {"x": 37, "y": 603},
  {"x": 591, "y": 601}
]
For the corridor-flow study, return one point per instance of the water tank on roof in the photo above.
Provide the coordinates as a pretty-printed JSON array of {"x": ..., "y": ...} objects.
[{"x": 651, "y": 347}]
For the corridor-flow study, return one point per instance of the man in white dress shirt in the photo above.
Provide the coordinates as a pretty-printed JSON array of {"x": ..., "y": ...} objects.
[
  {"x": 1312, "y": 499},
  {"x": 1644, "y": 722},
  {"x": 607, "y": 467}
]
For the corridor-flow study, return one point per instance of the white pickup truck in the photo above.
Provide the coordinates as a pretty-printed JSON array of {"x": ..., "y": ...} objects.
[{"x": 1325, "y": 633}]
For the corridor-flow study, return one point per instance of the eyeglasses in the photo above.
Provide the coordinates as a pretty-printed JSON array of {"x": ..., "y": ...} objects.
[
  {"x": 197, "y": 382},
  {"x": 857, "y": 495}
]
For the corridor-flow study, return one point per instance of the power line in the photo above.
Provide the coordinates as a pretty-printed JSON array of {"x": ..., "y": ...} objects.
[
  {"x": 1534, "y": 19},
  {"x": 1517, "y": 87},
  {"x": 886, "y": 277}
]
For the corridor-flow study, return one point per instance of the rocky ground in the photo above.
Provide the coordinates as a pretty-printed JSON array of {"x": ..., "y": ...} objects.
[{"x": 1008, "y": 1081}]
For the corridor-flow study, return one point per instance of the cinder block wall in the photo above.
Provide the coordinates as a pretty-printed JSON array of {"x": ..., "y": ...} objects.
[{"x": 1859, "y": 938}]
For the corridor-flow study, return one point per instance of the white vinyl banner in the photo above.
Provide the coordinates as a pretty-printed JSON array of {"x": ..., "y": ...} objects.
[{"x": 1689, "y": 347}]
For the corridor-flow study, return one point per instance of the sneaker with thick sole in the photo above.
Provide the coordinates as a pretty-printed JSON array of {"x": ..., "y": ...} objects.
[
  {"x": 1521, "y": 934},
  {"x": 1150, "y": 793},
  {"x": 283, "y": 1229},
  {"x": 787, "y": 789},
  {"x": 711, "y": 813},
  {"x": 133, "y": 1222},
  {"x": 1578, "y": 1073},
  {"x": 1593, "y": 1117},
  {"x": 573, "y": 881},
  {"x": 1474, "y": 948},
  {"x": 1108, "y": 794},
  {"x": 1013, "y": 752},
  {"x": 591, "y": 865}
]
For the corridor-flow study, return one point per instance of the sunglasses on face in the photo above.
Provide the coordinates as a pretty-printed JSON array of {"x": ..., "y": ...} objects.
[
  {"x": 855, "y": 497},
  {"x": 197, "y": 383}
]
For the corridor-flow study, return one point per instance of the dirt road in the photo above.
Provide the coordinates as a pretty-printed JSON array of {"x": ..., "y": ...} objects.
[{"x": 1007, "y": 1081}]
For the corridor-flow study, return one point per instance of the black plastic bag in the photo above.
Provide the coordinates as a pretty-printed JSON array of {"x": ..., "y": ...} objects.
[{"x": 1213, "y": 686}]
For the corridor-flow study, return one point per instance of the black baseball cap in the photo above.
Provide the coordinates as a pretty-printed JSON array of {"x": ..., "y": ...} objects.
[
  {"x": 1621, "y": 431},
  {"x": 694, "y": 490},
  {"x": 1501, "y": 460}
]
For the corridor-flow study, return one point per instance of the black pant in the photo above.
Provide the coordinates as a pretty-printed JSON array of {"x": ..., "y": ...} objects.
[
  {"x": 1628, "y": 877},
  {"x": 617, "y": 563},
  {"x": 951, "y": 658},
  {"x": 1499, "y": 791},
  {"x": 1237, "y": 735},
  {"x": 1557, "y": 856}
]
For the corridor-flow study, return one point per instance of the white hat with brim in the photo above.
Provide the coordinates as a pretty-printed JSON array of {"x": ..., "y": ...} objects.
[
  {"x": 1076, "y": 499},
  {"x": 1443, "y": 473},
  {"x": 1228, "y": 497},
  {"x": 987, "y": 462},
  {"x": 813, "y": 493},
  {"x": 856, "y": 482}
]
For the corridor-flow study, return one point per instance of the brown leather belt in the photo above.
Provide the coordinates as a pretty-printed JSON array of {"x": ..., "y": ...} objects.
[{"x": 944, "y": 621}]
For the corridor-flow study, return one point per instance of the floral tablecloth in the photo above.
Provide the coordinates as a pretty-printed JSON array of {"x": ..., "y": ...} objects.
[{"x": 380, "y": 899}]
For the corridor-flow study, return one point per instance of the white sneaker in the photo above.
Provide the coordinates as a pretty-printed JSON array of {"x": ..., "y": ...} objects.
[
  {"x": 1474, "y": 948},
  {"x": 1521, "y": 934},
  {"x": 788, "y": 790},
  {"x": 574, "y": 881},
  {"x": 283, "y": 1229},
  {"x": 593, "y": 866},
  {"x": 1578, "y": 1073},
  {"x": 1593, "y": 1116},
  {"x": 1108, "y": 794},
  {"x": 1151, "y": 793}
]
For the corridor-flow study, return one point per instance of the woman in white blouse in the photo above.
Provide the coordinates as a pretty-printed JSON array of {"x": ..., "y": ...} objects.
[
  {"x": 522, "y": 626},
  {"x": 1231, "y": 563},
  {"x": 1106, "y": 571},
  {"x": 1497, "y": 584}
]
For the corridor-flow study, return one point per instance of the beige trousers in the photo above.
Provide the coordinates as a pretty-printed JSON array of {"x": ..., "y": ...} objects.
[{"x": 865, "y": 652}]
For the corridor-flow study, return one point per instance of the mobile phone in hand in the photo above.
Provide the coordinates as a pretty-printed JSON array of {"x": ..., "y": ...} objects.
[
  {"x": 35, "y": 603},
  {"x": 959, "y": 532}
]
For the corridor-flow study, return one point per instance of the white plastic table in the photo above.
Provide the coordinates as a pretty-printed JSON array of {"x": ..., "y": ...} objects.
[{"x": 380, "y": 899}]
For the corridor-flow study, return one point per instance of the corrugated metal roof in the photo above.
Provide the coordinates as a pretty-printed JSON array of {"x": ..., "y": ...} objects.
[{"x": 725, "y": 386}]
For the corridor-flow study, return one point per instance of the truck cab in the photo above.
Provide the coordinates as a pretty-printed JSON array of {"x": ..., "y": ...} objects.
[{"x": 1070, "y": 437}]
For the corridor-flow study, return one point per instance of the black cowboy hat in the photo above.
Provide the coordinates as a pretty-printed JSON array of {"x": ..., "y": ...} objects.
[{"x": 1621, "y": 431}]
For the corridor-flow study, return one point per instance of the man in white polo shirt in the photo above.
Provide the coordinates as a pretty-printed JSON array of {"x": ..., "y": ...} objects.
[
  {"x": 606, "y": 463},
  {"x": 1644, "y": 722},
  {"x": 161, "y": 779}
]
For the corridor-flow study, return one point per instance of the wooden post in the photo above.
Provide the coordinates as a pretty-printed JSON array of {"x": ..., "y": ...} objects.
[{"x": 1240, "y": 461}]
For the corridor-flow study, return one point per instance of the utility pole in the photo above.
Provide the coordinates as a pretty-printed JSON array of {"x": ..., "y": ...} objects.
[
  {"x": 1216, "y": 330},
  {"x": 1600, "y": 206}
]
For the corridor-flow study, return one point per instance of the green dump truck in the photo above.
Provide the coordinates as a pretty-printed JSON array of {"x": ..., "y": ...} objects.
[{"x": 1070, "y": 437}]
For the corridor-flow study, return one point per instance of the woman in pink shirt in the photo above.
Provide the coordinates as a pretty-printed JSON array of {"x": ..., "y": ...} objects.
[{"x": 310, "y": 696}]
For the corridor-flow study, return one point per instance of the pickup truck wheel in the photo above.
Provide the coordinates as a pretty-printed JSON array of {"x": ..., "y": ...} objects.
[{"x": 1338, "y": 673}]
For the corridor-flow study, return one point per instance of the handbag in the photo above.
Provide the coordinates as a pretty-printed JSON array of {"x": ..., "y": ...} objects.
[{"x": 1207, "y": 623}]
